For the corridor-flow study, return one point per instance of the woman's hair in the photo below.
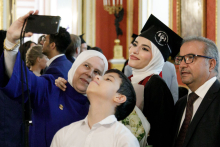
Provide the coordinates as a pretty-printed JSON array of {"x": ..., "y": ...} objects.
[
  {"x": 126, "y": 88},
  {"x": 24, "y": 48},
  {"x": 32, "y": 54}
]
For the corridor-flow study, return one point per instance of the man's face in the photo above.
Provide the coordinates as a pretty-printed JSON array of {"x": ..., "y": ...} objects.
[
  {"x": 197, "y": 72},
  {"x": 86, "y": 72},
  {"x": 46, "y": 45},
  {"x": 83, "y": 47},
  {"x": 105, "y": 87}
]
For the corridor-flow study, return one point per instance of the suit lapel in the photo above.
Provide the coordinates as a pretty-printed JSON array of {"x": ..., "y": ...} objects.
[{"x": 209, "y": 97}]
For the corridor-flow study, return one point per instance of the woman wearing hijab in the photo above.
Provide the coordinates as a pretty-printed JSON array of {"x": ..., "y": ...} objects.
[
  {"x": 52, "y": 108},
  {"x": 148, "y": 54}
]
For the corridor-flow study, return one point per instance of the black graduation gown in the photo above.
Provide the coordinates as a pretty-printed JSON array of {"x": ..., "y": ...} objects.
[{"x": 158, "y": 109}]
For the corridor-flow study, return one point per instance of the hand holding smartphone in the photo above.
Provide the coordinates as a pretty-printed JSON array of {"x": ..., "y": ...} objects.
[{"x": 43, "y": 24}]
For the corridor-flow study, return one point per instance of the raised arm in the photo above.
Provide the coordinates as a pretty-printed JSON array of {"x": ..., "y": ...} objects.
[{"x": 11, "y": 44}]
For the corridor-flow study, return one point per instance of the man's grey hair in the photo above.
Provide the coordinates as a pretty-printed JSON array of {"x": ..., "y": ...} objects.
[
  {"x": 210, "y": 49},
  {"x": 76, "y": 42}
]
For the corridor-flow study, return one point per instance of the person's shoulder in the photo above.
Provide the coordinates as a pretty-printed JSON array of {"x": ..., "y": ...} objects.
[
  {"x": 156, "y": 79},
  {"x": 122, "y": 130},
  {"x": 71, "y": 127},
  {"x": 125, "y": 137}
]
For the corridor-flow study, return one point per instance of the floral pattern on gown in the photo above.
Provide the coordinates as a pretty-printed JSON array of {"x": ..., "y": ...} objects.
[
  {"x": 134, "y": 124},
  {"x": 137, "y": 123}
]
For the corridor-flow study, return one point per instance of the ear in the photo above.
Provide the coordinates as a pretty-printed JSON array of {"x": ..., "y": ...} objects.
[
  {"x": 52, "y": 45},
  {"x": 212, "y": 64},
  {"x": 119, "y": 98},
  {"x": 38, "y": 59},
  {"x": 77, "y": 50}
]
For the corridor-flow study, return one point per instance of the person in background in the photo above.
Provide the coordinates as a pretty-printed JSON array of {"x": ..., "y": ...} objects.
[
  {"x": 83, "y": 46},
  {"x": 54, "y": 48},
  {"x": 96, "y": 49},
  {"x": 197, "y": 115},
  {"x": 36, "y": 60},
  {"x": 24, "y": 48},
  {"x": 169, "y": 76},
  {"x": 41, "y": 40},
  {"x": 112, "y": 98},
  {"x": 73, "y": 50}
]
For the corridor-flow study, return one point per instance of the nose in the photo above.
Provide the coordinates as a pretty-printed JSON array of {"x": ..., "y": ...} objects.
[
  {"x": 182, "y": 64},
  {"x": 134, "y": 50},
  {"x": 97, "y": 77},
  {"x": 89, "y": 73}
]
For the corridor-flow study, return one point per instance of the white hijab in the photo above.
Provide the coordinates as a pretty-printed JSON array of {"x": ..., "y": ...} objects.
[
  {"x": 82, "y": 58},
  {"x": 154, "y": 66}
]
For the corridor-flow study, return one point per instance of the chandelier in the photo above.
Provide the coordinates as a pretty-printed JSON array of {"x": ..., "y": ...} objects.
[{"x": 112, "y": 6}]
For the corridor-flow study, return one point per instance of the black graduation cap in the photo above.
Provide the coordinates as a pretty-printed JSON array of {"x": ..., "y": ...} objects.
[
  {"x": 82, "y": 40},
  {"x": 134, "y": 36},
  {"x": 166, "y": 40}
]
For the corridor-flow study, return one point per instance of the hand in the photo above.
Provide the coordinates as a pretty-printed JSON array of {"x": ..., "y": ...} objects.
[
  {"x": 61, "y": 83},
  {"x": 14, "y": 31}
]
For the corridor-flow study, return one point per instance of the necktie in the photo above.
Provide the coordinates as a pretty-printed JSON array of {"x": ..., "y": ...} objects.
[{"x": 188, "y": 116}]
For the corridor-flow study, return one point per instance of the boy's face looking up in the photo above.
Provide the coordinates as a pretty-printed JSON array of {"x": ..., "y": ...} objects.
[{"x": 105, "y": 88}]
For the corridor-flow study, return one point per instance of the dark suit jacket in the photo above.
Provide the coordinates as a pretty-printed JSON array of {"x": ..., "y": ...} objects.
[
  {"x": 204, "y": 130},
  {"x": 70, "y": 58},
  {"x": 59, "y": 67}
]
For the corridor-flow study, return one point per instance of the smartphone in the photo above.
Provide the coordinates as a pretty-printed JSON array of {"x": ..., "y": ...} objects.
[{"x": 43, "y": 24}]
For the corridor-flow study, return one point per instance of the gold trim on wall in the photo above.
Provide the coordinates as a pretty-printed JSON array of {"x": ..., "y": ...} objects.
[
  {"x": 178, "y": 16},
  {"x": 130, "y": 12},
  {"x": 1, "y": 14},
  {"x": 171, "y": 14},
  {"x": 139, "y": 16},
  {"x": 204, "y": 4},
  {"x": 216, "y": 22},
  {"x": 88, "y": 22}
]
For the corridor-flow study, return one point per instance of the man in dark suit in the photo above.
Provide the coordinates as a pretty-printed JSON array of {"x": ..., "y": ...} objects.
[
  {"x": 54, "y": 47},
  {"x": 197, "y": 115}
]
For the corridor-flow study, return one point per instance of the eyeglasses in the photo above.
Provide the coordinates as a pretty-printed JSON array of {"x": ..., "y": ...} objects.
[
  {"x": 43, "y": 39},
  {"x": 188, "y": 58}
]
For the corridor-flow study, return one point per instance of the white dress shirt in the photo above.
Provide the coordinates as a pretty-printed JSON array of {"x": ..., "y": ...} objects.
[
  {"x": 201, "y": 92},
  {"x": 106, "y": 133},
  {"x": 52, "y": 59}
]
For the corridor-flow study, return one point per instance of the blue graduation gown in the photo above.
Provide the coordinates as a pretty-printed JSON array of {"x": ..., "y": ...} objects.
[
  {"x": 52, "y": 108},
  {"x": 59, "y": 67}
]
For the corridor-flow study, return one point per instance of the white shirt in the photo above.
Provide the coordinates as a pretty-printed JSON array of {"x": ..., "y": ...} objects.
[
  {"x": 10, "y": 57},
  {"x": 106, "y": 133},
  {"x": 201, "y": 92},
  {"x": 52, "y": 59}
]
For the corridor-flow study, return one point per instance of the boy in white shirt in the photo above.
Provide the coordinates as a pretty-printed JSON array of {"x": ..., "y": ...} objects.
[{"x": 112, "y": 98}]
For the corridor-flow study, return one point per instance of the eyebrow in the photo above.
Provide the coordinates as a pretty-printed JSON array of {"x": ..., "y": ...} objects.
[
  {"x": 143, "y": 44},
  {"x": 111, "y": 76}
]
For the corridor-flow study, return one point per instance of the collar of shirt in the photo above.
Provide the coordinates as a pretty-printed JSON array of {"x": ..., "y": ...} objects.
[
  {"x": 52, "y": 59},
  {"x": 108, "y": 120},
  {"x": 202, "y": 90}
]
